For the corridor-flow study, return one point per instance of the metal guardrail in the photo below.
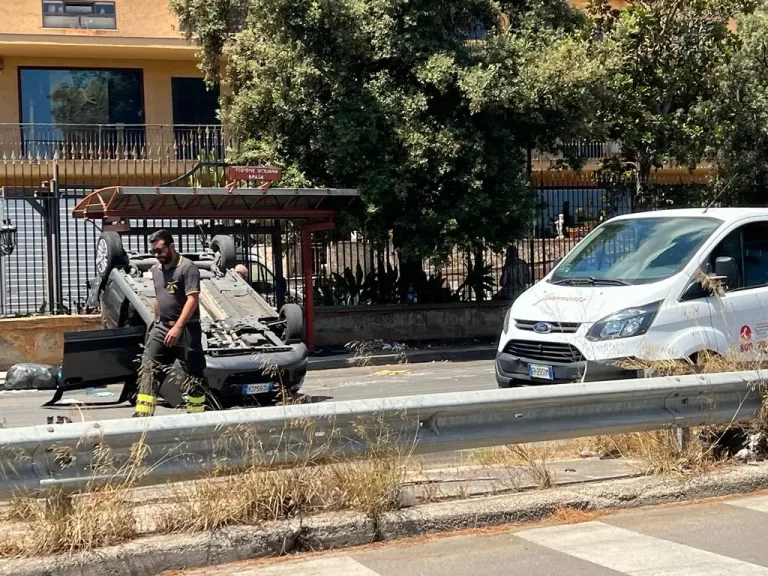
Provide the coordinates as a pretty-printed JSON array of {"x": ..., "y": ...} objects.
[{"x": 182, "y": 447}]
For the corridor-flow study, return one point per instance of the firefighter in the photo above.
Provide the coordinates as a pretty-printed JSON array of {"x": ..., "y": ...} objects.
[{"x": 176, "y": 333}]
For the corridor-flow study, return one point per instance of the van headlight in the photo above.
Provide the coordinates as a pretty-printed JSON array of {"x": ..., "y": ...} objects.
[
  {"x": 505, "y": 327},
  {"x": 624, "y": 323}
]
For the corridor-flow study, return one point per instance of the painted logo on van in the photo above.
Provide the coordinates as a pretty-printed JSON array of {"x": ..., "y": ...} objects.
[
  {"x": 542, "y": 327},
  {"x": 745, "y": 333},
  {"x": 746, "y": 339}
]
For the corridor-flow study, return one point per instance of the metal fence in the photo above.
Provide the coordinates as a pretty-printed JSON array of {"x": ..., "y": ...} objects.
[
  {"x": 224, "y": 441},
  {"x": 102, "y": 142},
  {"x": 348, "y": 270}
]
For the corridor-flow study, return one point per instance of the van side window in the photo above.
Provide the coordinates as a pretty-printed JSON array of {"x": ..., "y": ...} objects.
[
  {"x": 756, "y": 254},
  {"x": 748, "y": 246},
  {"x": 730, "y": 246}
]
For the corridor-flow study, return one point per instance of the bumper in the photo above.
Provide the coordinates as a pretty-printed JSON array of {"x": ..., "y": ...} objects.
[
  {"x": 513, "y": 371},
  {"x": 229, "y": 374}
]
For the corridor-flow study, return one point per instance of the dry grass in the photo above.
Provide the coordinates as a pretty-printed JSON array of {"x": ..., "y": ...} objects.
[
  {"x": 102, "y": 515},
  {"x": 508, "y": 456},
  {"x": 531, "y": 459},
  {"x": 371, "y": 486},
  {"x": 67, "y": 525},
  {"x": 571, "y": 515},
  {"x": 704, "y": 363},
  {"x": 250, "y": 490},
  {"x": 318, "y": 481},
  {"x": 658, "y": 451}
]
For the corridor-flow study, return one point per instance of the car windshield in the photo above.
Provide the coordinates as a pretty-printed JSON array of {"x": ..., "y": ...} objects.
[{"x": 635, "y": 251}]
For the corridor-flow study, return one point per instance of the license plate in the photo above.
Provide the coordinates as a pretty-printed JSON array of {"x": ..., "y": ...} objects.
[
  {"x": 542, "y": 372},
  {"x": 257, "y": 388}
]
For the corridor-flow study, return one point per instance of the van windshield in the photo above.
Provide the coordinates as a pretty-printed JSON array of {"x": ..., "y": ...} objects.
[{"x": 635, "y": 251}]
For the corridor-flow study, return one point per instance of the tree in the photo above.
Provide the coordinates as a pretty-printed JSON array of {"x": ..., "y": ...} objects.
[
  {"x": 740, "y": 146},
  {"x": 662, "y": 61},
  {"x": 428, "y": 107}
]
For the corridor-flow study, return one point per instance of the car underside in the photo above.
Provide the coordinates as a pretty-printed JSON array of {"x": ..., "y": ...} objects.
[{"x": 253, "y": 352}]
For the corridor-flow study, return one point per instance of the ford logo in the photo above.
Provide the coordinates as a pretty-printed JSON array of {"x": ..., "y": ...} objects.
[{"x": 542, "y": 327}]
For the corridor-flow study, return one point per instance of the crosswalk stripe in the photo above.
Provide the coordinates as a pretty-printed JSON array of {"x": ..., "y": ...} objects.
[
  {"x": 756, "y": 503},
  {"x": 636, "y": 554},
  {"x": 330, "y": 566}
]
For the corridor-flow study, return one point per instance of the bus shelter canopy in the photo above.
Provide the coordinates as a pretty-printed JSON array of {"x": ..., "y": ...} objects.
[{"x": 119, "y": 203}]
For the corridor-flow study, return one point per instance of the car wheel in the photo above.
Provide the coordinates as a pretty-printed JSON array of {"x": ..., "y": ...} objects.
[
  {"x": 226, "y": 252},
  {"x": 109, "y": 253},
  {"x": 293, "y": 316}
]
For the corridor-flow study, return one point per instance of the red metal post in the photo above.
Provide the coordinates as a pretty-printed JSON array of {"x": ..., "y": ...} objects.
[{"x": 306, "y": 259}]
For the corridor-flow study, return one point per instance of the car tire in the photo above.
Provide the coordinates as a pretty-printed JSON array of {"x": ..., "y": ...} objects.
[
  {"x": 225, "y": 250},
  {"x": 109, "y": 254},
  {"x": 293, "y": 316}
]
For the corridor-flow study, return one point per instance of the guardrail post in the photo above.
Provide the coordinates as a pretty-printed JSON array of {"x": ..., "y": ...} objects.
[{"x": 682, "y": 437}]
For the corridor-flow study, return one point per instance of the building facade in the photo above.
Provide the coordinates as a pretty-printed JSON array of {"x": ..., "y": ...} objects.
[{"x": 98, "y": 62}]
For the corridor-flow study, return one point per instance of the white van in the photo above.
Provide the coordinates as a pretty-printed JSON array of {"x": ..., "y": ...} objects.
[{"x": 632, "y": 290}]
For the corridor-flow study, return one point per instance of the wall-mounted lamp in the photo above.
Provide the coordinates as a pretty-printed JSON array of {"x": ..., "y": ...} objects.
[{"x": 7, "y": 238}]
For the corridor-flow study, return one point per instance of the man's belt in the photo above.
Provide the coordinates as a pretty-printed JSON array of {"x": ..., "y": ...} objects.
[{"x": 172, "y": 323}]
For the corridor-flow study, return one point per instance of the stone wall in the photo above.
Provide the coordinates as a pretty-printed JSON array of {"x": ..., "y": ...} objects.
[{"x": 39, "y": 338}]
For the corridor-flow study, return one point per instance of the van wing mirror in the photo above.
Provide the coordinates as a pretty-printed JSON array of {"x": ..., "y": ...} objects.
[{"x": 726, "y": 269}]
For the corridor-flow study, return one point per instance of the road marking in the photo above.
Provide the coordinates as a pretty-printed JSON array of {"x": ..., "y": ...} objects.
[
  {"x": 332, "y": 566},
  {"x": 636, "y": 554},
  {"x": 756, "y": 503}
]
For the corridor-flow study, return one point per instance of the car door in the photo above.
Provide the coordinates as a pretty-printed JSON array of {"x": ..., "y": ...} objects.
[{"x": 741, "y": 313}]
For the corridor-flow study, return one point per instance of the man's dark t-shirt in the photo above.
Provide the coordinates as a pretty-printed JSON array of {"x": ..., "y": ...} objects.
[{"x": 172, "y": 285}]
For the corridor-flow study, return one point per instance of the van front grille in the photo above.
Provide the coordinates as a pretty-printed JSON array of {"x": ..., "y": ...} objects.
[
  {"x": 557, "y": 327},
  {"x": 554, "y": 352}
]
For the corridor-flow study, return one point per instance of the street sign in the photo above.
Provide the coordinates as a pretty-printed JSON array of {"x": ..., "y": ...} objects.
[{"x": 261, "y": 173}]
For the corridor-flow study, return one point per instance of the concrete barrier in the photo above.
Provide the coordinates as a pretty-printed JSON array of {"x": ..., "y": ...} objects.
[
  {"x": 338, "y": 325},
  {"x": 39, "y": 338}
]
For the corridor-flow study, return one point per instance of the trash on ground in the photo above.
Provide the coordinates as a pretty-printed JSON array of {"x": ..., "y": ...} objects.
[
  {"x": 31, "y": 376},
  {"x": 99, "y": 393},
  {"x": 392, "y": 372}
]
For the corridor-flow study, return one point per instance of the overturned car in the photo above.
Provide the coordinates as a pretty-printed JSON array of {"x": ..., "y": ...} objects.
[{"x": 253, "y": 352}]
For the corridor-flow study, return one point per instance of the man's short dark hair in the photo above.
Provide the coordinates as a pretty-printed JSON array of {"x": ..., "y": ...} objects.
[{"x": 163, "y": 235}]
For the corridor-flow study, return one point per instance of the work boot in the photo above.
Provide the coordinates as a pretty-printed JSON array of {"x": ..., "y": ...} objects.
[
  {"x": 195, "y": 404},
  {"x": 145, "y": 405}
]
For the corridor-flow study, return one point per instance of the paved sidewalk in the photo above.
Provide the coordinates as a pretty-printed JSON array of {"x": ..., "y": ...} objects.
[{"x": 714, "y": 538}]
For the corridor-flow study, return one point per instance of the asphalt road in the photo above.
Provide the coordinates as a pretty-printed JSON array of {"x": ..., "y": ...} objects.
[
  {"x": 25, "y": 408},
  {"x": 716, "y": 538}
]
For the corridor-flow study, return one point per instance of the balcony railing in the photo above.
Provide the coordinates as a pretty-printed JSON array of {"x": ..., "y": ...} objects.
[
  {"x": 97, "y": 142},
  {"x": 590, "y": 151}
]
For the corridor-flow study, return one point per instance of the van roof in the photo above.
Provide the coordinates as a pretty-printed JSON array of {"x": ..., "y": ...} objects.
[{"x": 725, "y": 214}]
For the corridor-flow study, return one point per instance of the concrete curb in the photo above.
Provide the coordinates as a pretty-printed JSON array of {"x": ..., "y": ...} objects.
[
  {"x": 339, "y": 530},
  {"x": 413, "y": 356}
]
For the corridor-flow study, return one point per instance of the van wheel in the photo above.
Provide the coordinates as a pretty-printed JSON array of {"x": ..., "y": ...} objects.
[{"x": 705, "y": 359}]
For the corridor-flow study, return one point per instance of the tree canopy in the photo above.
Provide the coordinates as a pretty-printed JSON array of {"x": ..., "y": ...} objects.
[
  {"x": 430, "y": 106},
  {"x": 663, "y": 63},
  {"x": 427, "y": 106}
]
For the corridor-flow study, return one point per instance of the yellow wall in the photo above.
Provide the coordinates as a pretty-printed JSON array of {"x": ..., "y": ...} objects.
[
  {"x": 135, "y": 19},
  {"x": 158, "y": 107}
]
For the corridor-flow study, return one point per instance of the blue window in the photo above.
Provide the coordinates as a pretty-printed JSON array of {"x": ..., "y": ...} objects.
[
  {"x": 81, "y": 105},
  {"x": 81, "y": 96}
]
